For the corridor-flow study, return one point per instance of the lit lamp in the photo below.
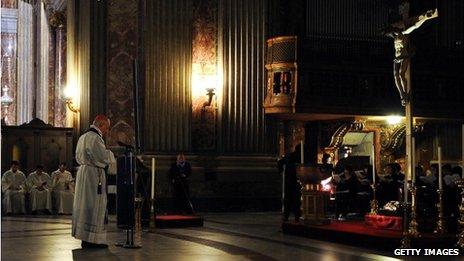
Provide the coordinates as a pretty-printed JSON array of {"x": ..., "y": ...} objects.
[
  {"x": 69, "y": 94},
  {"x": 204, "y": 82},
  {"x": 210, "y": 93},
  {"x": 393, "y": 119}
]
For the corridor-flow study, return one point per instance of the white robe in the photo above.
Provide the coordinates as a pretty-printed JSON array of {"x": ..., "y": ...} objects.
[
  {"x": 39, "y": 200},
  {"x": 63, "y": 191},
  {"x": 14, "y": 188},
  {"x": 89, "y": 210}
]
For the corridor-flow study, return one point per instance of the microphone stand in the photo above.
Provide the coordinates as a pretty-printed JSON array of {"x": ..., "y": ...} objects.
[
  {"x": 132, "y": 152},
  {"x": 187, "y": 196}
]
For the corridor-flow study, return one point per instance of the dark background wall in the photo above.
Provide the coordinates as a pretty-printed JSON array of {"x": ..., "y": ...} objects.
[{"x": 239, "y": 172}]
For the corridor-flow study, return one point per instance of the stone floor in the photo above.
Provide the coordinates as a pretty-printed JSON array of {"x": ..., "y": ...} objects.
[{"x": 231, "y": 236}]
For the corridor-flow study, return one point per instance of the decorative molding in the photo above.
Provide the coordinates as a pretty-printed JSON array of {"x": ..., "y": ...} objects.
[
  {"x": 345, "y": 127},
  {"x": 391, "y": 138},
  {"x": 57, "y": 18}
]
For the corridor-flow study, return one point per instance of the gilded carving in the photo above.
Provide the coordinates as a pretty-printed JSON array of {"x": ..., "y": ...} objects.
[
  {"x": 281, "y": 85},
  {"x": 342, "y": 130}
]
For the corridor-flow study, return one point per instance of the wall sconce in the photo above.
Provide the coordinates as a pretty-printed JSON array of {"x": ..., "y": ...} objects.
[
  {"x": 210, "y": 93},
  {"x": 69, "y": 94}
]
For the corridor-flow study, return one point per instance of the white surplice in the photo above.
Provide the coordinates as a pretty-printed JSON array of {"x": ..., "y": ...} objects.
[
  {"x": 89, "y": 210},
  {"x": 14, "y": 188},
  {"x": 63, "y": 191},
  {"x": 39, "y": 199}
]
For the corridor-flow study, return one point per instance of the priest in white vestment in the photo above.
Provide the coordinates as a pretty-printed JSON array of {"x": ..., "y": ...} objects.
[
  {"x": 63, "y": 190},
  {"x": 40, "y": 193},
  {"x": 89, "y": 211},
  {"x": 13, "y": 188}
]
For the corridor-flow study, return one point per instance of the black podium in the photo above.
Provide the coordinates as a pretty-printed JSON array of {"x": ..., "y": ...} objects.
[
  {"x": 125, "y": 191},
  {"x": 125, "y": 202}
]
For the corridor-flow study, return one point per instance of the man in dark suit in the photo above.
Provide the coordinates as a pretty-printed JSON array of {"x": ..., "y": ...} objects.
[
  {"x": 292, "y": 187},
  {"x": 179, "y": 175}
]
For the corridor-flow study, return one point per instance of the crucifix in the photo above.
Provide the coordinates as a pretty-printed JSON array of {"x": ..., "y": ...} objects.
[{"x": 400, "y": 31}]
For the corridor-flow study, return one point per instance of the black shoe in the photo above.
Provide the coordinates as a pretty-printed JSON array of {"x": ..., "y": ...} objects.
[{"x": 86, "y": 244}]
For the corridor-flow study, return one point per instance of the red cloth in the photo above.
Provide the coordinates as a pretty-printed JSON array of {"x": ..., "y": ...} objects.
[
  {"x": 384, "y": 222},
  {"x": 175, "y": 217}
]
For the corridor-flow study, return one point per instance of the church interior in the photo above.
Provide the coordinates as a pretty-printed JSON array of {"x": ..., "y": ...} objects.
[{"x": 241, "y": 129}]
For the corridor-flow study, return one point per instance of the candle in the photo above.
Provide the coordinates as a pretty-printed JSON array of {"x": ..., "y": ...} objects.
[
  {"x": 440, "y": 180},
  {"x": 302, "y": 153},
  {"x": 373, "y": 164},
  {"x": 413, "y": 160},
  {"x": 405, "y": 190},
  {"x": 153, "y": 178},
  {"x": 283, "y": 188}
]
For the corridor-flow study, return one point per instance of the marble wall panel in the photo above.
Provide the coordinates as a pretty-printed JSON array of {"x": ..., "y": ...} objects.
[
  {"x": 122, "y": 50},
  {"x": 204, "y": 60}
]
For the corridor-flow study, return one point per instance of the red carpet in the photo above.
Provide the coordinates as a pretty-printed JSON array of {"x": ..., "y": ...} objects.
[
  {"x": 359, "y": 234},
  {"x": 175, "y": 217},
  {"x": 384, "y": 222},
  {"x": 178, "y": 221},
  {"x": 358, "y": 227}
]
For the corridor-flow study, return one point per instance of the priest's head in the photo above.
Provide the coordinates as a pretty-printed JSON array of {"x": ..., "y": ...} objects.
[
  {"x": 39, "y": 169},
  {"x": 14, "y": 166},
  {"x": 62, "y": 166},
  {"x": 103, "y": 123}
]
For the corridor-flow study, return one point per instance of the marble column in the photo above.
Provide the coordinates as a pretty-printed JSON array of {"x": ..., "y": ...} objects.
[
  {"x": 26, "y": 83},
  {"x": 9, "y": 21},
  {"x": 42, "y": 63},
  {"x": 51, "y": 74},
  {"x": 60, "y": 75},
  {"x": 57, "y": 70},
  {"x": 72, "y": 119}
]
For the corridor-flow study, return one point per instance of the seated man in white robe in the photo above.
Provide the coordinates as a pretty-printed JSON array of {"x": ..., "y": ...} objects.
[
  {"x": 39, "y": 184},
  {"x": 89, "y": 210},
  {"x": 63, "y": 190},
  {"x": 14, "y": 188}
]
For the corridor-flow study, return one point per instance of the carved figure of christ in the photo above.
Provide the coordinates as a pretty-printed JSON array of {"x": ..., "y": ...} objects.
[{"x": 400, "y": 33}]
